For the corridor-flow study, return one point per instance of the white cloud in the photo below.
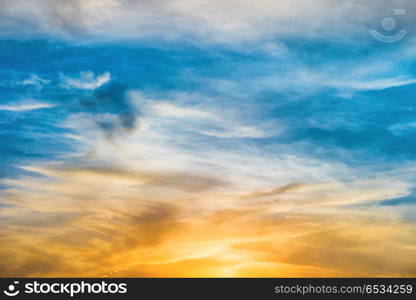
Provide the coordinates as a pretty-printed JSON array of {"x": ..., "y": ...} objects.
[
  {"x": 34, "y": 80},
  {"x": 175, "y": 137},
  {"x": 171, "y": 110},
  {"x": 403, "y": 128},
  {"x": 25, "y": 106},
  {"x": 224, "y": 121},
  {"x": 295, "y": 77},
  {"x": 86, "y": 80},
  {"x": 224, "y": 21},
  {"x": 373, "y": 85}
]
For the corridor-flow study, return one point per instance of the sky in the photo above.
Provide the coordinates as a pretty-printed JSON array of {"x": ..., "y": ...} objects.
[{"x": 207, "y": 138}]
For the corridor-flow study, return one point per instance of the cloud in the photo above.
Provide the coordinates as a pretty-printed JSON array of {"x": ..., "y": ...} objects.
[
  {"x": 297, "y": 79},
  {"x": 165, "y": 200},
  {"x": 372, "y": 85},
  {"x": 87, "y": 80},
  {"x": 213, "y": 168},
  {"x": 105, "y": 125},
  {"x": 155, "y": 230},
  {"x": 25, "y": 106},
  {"x": 403, "y": 129},
  {"x": 204, "y": 20},
  {"x": 204, "y": 118},
  {"x": 187, "y": 182},
  {"x": 34, "y": 80},
  {"x": 324, "y": 194}
]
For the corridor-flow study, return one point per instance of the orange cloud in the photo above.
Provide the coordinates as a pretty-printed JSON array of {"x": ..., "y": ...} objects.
[{"x": 104, "y": 222}]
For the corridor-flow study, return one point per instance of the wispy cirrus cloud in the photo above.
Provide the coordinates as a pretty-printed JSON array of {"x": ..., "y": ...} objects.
[
  {"x": 34, "y": 80},
  {"x": 86, "y": 80},
  {"x": 25, "y": 105},
  {"x": 203, "y": 119},
  {"x": 202, "y": 19},
  {"x": 155, "y": 211},
  {"x": 225, "y": 139}
]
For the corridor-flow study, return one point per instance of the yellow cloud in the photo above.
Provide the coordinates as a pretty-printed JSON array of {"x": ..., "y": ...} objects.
[{"x": 110, "y": 222}]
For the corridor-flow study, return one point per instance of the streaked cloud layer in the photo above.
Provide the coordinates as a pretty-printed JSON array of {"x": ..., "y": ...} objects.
[{"x": 205, "y": 138}]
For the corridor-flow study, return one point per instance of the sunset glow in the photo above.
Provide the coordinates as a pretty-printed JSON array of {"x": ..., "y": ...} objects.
[{"x": 206, "y": 138}]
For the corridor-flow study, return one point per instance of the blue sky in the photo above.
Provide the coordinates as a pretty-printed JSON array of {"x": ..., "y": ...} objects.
[{"x": 271, "y": 111}]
